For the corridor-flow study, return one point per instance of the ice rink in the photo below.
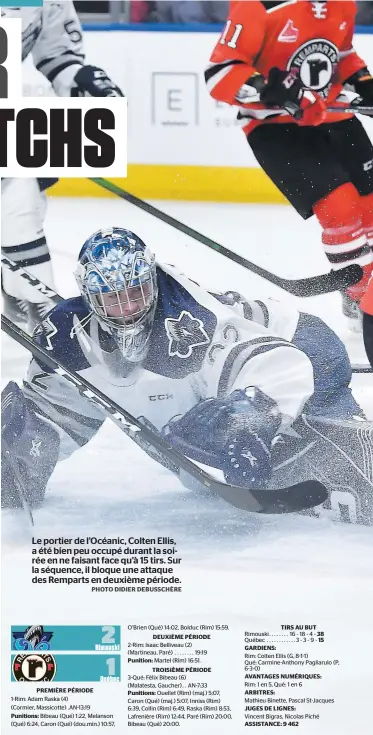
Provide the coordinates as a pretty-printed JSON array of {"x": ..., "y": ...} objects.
[
  {"x": 272, "y": 236},
  {"x": 319, "y": 570}
]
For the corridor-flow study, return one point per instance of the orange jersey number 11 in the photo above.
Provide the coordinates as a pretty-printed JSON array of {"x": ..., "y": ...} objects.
[{"x": 237, "y": 30}]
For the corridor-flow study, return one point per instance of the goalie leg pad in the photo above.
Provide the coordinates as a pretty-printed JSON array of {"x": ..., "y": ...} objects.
[
  {"x": 332, "y": 396},
  {"x": 29, "y": 453},
  {"x": 337, "y": 453}
]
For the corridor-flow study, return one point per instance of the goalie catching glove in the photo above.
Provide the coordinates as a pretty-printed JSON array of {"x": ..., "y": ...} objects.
[
  {"x": 29, "y": 450},
  {"x": 233, "y": 434}
]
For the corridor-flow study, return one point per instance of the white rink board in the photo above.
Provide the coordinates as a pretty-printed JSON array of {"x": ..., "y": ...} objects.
[{"x": 171, "y": 117}]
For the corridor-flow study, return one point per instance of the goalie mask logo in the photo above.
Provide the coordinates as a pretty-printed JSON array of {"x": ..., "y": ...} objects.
[
  {"x": 185, "y": 333},
  {"x": 315, "y": 63}
]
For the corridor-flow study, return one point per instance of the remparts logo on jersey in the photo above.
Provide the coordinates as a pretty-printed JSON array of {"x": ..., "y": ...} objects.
[
  {"x": 315, "y": 62},
  {"x": 55, "y": 137}
]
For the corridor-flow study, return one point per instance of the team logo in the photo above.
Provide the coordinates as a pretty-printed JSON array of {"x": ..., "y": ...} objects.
[
  {"x": 34, "y": 667},
  {"x": 34, "y": 638},
  {"x": 315, "y": 63},
  {"x": 46, "y": 329},
  {"x": 289, "y": 33},
  {"x": 320, "y": 9},
  {"x": 185, "y": 333}
]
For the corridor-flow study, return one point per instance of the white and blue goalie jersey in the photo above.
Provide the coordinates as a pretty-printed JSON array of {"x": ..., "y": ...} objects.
[
  {"x": 202, "y": 345},
  {"x": 53, "y": 35}
]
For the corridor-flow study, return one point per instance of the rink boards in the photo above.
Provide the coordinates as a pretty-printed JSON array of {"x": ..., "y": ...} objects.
[{"x": 182, "y": 144}]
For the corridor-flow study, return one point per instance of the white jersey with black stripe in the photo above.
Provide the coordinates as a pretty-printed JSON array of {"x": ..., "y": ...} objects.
[
  {"x": 201, "y": 346},
  {"x": 53, "y": 35}
]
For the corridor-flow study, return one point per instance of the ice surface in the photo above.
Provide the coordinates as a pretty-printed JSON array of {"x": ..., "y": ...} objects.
[
  {"x": 272, "y": 236},
  {"x": 241, "y": 568}
]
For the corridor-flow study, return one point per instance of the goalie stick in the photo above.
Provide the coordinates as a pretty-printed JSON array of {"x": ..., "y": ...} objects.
[
  {"x": 302, "y": 496},
  {"x": 302, "y": 287},
  {"x": 55, "y": 298}
]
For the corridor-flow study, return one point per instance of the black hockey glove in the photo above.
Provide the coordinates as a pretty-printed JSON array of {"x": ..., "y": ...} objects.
[
  {"x": 95, "y": 82},
  {"x": 29, "y": 450},
  {"x": 282, "y": 87},
  {"x": 233, "y": 434},
  {"x": 362, "y": 83}
]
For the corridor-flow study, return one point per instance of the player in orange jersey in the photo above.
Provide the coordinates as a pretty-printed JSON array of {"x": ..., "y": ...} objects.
[
  {"x": 367, "y": 308},
  {"x": 271, "y": 60}
]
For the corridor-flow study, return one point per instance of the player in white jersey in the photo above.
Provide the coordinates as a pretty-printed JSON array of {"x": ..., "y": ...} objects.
[
  {"x": 251, "y": 388},
  {"x": 53, "y": 35}
]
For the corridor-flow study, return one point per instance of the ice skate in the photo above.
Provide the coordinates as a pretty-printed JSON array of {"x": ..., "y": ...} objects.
[{"x": 352, "y": 312}]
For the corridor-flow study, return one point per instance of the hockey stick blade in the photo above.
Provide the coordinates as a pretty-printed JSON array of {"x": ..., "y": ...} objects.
[
  {"x": 302, "y": 496},
  {"x": 303, "y": 287},
  {"x": 298, "y": 497}
]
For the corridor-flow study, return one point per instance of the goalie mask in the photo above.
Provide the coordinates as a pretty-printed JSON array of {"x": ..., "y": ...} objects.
[{"x": 116, "y": 275}]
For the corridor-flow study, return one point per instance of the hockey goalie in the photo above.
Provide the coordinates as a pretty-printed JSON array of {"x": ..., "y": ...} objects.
[{"x": 255, "y": 390}]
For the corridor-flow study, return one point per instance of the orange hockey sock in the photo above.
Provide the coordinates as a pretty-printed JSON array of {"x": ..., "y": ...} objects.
[
  {"x": 343, "y": 216},
  {"x": 366, "y": 203}
]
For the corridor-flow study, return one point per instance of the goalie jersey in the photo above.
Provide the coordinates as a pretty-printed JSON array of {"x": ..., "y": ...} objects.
[
  {"x": 53, "y": 35},
  {"x": 202, "y": 345}
]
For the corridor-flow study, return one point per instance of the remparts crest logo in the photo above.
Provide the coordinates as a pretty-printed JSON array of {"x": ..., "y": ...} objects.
[
  {"x": 315, "y": 62},
  {"x": 34, "y": 667}
]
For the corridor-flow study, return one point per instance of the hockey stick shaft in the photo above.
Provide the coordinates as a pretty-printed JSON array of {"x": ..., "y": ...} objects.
[
  {"x": 297, "y": 112},
  {"x": 361, "y": 369},
  {"x": 304, "y": 287},
  {"x": 286, "y": 500},
  {"x": 56, "y": 298},
  {"x": 127, "y": 423},
  {"x": 353, "y": 109},
  {"x": 32, "y": 280}
]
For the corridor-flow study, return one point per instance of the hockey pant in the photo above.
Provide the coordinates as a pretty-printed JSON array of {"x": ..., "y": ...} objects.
[{"x": 332, "y": 396}]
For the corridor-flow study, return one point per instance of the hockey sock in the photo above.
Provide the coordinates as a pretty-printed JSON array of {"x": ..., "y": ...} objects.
[
  {"x": 367, "y": 213},
  {"x": 35, "y": 257},
  {"x": 344, "y": 236}
]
